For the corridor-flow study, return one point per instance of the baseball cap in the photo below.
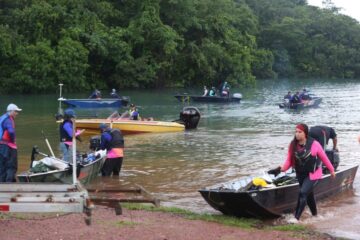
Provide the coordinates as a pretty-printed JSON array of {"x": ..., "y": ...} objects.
[
  {"x": 103, "y": 126},
  {"x": 13, "y": 107}
]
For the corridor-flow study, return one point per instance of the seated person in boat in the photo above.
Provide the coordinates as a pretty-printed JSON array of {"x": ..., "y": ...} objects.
[
  {"x": 114, "y": 94},
  {"x": 132, "y": 113},
  {"x": 206, "y": 91},
  {"x": 225, "y": 90},
  {"x": 305, "y": 155},
  {"x": 304, "y": 95},
  {"x": 288, "y": 96},
  {"x": 212, "y": 92},
  {"x": 323, "y": 134},
  {"x": 66, "y": 134},
  {"x": 295, "y": 99},
  {"x": 96, "y": 94},
  {"x": 113, "y": 141}
]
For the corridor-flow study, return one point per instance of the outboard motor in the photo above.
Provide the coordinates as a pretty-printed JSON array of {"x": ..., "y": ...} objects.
[
  {"x": 95, "y": 143},
  {"x": 190, "y": 117},
  {"x": 334, "y": 159}
]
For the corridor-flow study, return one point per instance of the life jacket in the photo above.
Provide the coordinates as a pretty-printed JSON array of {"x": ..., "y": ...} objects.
[
  {"x": 117, "y": 139},
  {"x": 304, "y": 161},
  {"x": 2, "y": 120},
  {"x": 64, "y": 136},
  {"x": 5, "y": 136},
  {"x": 134, "y": 115}
]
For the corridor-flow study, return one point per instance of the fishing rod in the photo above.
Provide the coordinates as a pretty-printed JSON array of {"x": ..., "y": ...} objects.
[{"x": 48, "y": 144}]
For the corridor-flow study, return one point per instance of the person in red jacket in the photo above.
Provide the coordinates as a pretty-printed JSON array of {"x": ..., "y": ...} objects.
[{"x": 8, "y": 147}]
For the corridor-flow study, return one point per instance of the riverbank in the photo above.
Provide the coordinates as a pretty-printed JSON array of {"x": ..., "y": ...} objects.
[{"x": 145, "y": 224}]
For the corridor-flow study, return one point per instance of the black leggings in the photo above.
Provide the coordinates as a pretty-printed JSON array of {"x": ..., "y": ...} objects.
[
  {"x": 306, "y": 195},
  {"x": 112, "y": 165}
]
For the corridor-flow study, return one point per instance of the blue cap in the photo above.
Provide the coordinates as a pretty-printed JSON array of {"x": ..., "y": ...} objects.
[
  {"x": 103, "y": 126},
  {"x": 69, "y": 112}
]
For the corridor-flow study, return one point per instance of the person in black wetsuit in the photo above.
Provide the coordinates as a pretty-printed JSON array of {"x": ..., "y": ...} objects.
[{"x": 323, "y": 134}]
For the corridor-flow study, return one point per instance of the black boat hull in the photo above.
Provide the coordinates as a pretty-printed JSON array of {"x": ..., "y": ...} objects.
[
  {"x": 273, "y": 202},
  {"x": 314, "y": 102},
  {"x": 207, "y": 99}
]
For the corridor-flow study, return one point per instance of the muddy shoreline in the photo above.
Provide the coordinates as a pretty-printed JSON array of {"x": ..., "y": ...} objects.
[{"x": 132, "y": 224}]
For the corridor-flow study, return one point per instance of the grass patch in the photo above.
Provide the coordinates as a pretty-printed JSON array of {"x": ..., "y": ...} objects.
[
  {"x": 289, "y": 227},
  {"x": 120, "y": 223},
  {"x": 125, "y": 223},
  {"x": 223, "y": 219}
]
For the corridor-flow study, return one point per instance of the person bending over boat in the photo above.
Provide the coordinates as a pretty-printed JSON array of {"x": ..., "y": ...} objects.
[
  {"x": 323, "y": 134},
  {"x": 304, "y": 155},
  {"x": 8, "y": 147},
  {"x": 113, "y": 141},
  {"x": 66, "y": 134}
]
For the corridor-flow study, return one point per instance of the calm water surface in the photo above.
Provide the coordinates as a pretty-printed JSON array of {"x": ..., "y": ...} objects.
[{"x": 231, "y": 141}]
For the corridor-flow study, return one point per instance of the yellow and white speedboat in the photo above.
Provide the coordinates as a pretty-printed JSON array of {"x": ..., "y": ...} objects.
[
  {"x": 129, "y": 126},
  {"x": 189, "y": 119}
]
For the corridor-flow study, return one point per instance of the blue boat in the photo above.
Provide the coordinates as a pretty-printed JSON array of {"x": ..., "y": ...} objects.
[
  {"x": 313, "y": 102},
  {"x": 96, "y": 103},
  {"x": 209, "y": 99}
]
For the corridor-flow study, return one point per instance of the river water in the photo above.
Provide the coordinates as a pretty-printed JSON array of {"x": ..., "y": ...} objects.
[{"x": 232, "y": 140}]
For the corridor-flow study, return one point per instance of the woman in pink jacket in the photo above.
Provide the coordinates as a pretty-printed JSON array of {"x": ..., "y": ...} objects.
[{"x": 305, "y": 155}]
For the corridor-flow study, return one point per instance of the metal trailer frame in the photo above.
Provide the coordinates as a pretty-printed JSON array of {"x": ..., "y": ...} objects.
[
  {"x": 47, "y": 197},
  {"x": 43, "y": 197}
]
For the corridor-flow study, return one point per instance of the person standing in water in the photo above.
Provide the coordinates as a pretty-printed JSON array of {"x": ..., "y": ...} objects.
[{"x": 305, "y": 155}]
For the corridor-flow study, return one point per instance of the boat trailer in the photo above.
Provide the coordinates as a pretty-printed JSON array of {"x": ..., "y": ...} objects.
[
  {"x": 45, "y": 197},
  {"x": 65, "y": 198}
]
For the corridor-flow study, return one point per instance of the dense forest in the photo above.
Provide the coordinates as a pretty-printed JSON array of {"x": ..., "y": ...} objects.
[{"x": 166, "y": 43}]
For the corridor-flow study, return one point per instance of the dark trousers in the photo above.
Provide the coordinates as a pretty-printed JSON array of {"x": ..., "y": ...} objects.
[
  {"x": 306, "y": 195},
  {"x": 8, "y": 163},
  {"x": 112, "y": 165}
]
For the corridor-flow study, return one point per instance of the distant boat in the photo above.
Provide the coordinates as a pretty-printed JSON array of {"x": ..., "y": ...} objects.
[
  {"x": 235, "y": 98},
  {"x": 230, "y": 199},
  {"x": 96, "y": 103},
  {"x": 313, "y": 102}
]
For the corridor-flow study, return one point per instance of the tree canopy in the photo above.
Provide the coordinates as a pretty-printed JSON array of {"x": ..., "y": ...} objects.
[{"x": 165, "y": 43}]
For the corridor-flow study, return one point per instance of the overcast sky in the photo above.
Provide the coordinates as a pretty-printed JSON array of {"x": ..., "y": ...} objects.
[{"x": 350, "y": 7}]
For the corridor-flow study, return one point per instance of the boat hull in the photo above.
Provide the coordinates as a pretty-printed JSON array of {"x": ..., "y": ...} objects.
[
  {"x": 273, "y": 202},
  {"x": 314, "y": 102},
  {"x": 87, "y": 173},
  {"x": 97, "y": 103},
  {"x": 207, "y": 99},
  {"x": 129, "y": 126}
]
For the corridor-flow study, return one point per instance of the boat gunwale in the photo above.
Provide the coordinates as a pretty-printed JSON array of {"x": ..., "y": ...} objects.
[{"x": 209, "y": 189}]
